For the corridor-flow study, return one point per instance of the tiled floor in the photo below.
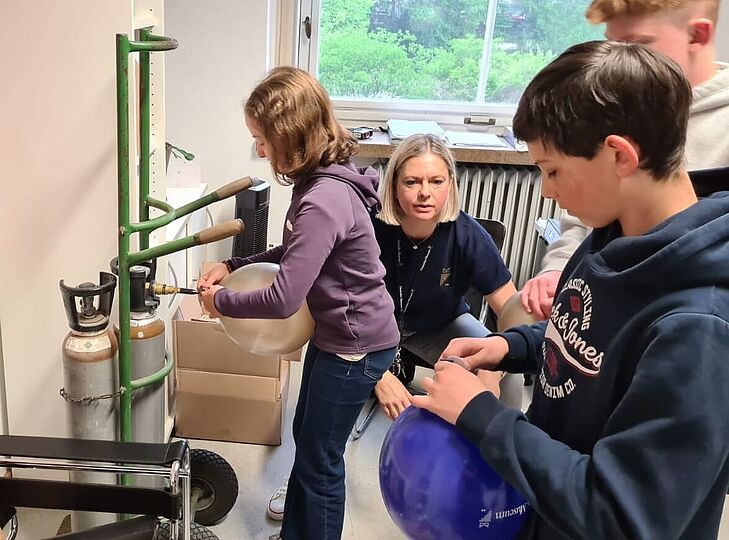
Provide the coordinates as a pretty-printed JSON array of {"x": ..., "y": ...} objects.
[{"x": 261, "y": 469}]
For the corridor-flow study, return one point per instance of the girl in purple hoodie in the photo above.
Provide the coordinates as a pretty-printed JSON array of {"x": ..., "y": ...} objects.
[{"x": 329, "y": 258}]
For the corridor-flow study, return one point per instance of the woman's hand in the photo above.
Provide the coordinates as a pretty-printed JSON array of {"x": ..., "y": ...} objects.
[
  {"x": 450, "y": 390},
  {"x": 207, "y": 299},
  {"x": 213, "y": 276},
  {"x": 394, "y": 398}
]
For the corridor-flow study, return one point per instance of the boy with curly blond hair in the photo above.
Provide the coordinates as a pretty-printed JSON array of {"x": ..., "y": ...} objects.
[{"x": 683, "y": 30}]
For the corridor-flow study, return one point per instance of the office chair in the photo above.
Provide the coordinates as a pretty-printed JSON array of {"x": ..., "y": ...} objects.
[
  {"x": 709, "y": 181},
  {"x": 8, "y": 516},
  {"x": 479, "y": 310}
]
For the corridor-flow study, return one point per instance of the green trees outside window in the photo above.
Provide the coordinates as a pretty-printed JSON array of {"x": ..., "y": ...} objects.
[{"x": 433, "y": 50}]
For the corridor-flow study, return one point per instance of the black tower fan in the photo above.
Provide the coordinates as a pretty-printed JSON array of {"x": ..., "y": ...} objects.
[{"x": 251, "y": 206}]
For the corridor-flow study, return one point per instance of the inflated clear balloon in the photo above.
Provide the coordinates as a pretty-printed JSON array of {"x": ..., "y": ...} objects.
[{"x": 265, "y": 336}]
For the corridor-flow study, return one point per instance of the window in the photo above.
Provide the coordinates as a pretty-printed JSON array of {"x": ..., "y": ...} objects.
[{"x": 437, "y": 55}]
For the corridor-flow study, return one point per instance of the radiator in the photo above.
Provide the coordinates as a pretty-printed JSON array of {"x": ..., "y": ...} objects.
[{"x": 512, "y": 196}]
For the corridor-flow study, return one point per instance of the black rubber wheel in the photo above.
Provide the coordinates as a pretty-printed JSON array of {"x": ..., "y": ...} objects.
[
  {"x": 218, "y": 484},
  {"x": 197, "y": 532}
]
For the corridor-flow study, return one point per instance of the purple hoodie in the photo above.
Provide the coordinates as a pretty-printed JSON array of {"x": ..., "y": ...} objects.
[{"x": 330, "y": 258}]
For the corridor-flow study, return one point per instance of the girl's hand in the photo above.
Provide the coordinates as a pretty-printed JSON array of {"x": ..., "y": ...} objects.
[
  {"x": 215, "y": 275},
  {"x": 207, "y": 299}
]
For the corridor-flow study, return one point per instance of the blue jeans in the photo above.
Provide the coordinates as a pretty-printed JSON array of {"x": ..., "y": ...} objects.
[{"x": 332, "y": 394}]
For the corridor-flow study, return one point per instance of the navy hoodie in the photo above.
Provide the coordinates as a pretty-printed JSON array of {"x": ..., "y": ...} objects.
[
  {"x": 628, "y": 432},
  {"x": 330, "y": 258}
]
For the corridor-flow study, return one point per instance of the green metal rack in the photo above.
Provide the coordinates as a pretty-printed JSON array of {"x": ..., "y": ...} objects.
[{"x": 147, "y": 44}]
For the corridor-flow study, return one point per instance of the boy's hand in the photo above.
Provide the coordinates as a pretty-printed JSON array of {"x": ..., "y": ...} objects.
[
  {"x": 450, "y": 390},
  {"x": 213, "y": 276},
  {"x": 538, "y": 293},
  {"x": 478, "y": 353},
  {"x": 394, "y": 398},
  {"x": 491, "y": 380},
  {"x": 207, "y": 298}
]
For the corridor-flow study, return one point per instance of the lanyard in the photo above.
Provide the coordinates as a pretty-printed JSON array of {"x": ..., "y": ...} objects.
[
  {"x": 396, "y": 367},
  {"x": 405, "y": 304}
]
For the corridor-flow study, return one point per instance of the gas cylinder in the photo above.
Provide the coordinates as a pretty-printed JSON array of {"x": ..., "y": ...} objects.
[
  {"x": 89, "y": 376},
  {"x": 147, "y": 332},
  {"x": 147, "y": 344}
]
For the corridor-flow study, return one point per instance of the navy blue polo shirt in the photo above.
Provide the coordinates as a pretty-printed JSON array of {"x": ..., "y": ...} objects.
[{"x": 436, "y": 273}]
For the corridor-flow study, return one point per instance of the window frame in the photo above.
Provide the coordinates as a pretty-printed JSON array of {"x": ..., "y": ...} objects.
[{"x": 364, "y": 110}]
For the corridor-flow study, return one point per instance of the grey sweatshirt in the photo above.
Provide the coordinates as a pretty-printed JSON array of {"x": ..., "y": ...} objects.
[
  {"x": 707, "y": 146},
  {"x": 330, "y": 258}
]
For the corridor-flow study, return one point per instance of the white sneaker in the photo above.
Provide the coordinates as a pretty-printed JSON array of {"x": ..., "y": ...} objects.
[{"x": 277, "y": 501}]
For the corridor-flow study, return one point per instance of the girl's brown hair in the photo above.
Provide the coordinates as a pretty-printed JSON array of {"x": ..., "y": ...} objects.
[{"x": 296, "y": 117}]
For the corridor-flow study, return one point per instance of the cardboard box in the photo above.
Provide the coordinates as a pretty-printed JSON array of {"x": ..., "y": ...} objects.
[
  {"x": 229, "y": 407},
  {"x": 224, "y": 392},
  {"x": 202, "y": 345}
]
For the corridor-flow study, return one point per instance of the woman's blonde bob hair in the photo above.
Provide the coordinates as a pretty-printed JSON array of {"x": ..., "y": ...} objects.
[
  {"x": 295, "y": 115},
  {"x": 416, "y": 146}
]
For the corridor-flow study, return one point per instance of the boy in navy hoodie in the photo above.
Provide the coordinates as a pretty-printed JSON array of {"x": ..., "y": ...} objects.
[{"x": 628, "y": 432}]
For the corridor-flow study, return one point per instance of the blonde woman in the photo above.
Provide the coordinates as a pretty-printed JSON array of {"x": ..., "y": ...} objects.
[{"x": 433, "y": 252}]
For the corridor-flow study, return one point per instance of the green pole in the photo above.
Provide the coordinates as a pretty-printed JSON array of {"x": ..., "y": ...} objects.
[
  {"x": 155, "y": 377},
  {"x": 125, "y": 356},
  {"x": 211, "y": 234}
]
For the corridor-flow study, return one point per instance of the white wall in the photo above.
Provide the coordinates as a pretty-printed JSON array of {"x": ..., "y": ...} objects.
[
  {"x": 58, "y": 171},
  {"x": 722, "y": 36},
  {"x": 222, "y": 55}
]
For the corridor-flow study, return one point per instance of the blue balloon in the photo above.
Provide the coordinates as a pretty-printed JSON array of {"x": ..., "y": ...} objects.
[{"x": 436, "y": 485}]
